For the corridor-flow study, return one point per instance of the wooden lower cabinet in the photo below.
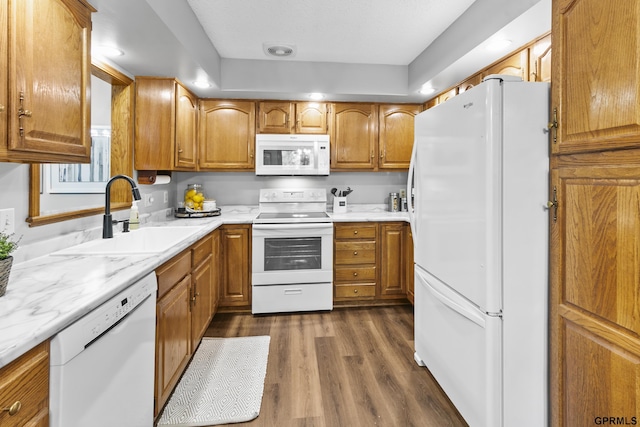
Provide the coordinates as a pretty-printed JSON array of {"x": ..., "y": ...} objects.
[
  {"x": 392, "y": 265},
  {"x": 24, "y": 389},
  {"x": 595, "y": 288},
  {"x": 187, "y": 289},
  {"x": 408, "y": 263},
  {"x": 370, "y": 262},
  {"x": 236, "y": 266}
]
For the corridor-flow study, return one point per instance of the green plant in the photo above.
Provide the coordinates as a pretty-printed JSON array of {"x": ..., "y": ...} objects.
[{"x": 6, "y": 246}]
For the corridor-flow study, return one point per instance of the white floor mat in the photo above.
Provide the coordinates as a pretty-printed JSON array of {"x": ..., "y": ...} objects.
[{"x": 223, "y": 384}]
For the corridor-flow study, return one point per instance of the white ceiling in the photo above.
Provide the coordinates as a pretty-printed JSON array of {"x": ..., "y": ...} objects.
[
  {"x": 377, "y": 50},
  {"x": 351, "y": 31}
]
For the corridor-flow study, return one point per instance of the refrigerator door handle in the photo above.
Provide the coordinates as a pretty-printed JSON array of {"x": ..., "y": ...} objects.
[
  {"x": 412, "y": 217},
  {"x": 470, "y": 311}
]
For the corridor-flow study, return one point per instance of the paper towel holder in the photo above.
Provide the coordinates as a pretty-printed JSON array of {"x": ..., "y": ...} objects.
[{"x": 150, "y": 177}]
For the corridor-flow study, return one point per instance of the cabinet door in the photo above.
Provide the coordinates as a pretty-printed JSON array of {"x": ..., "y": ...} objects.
[
  {"x": 514, "y": 65},
  {"x": 236, "y": 251},
  {"x": 186, "y": 128},
  {"x": 216, "y": 273},
  {"x": 596, "y": 75},
  {"x": 227, "y": 135},
  {"x": 4, "y": 76},
  {"x": 25, "y": 383},
  {"x": 201, "y": 299},
  {"x": 408, "y": 263},
  {"x": 595, "y": 288},
  {"x": 275, "y": 117},
  {"x": 49, "y": 73},
  {"x": 540, "y": 60},
  {"x": 354, "y": 136},
  {"x": 173, "y": 339},
  {"x": 391, "y": 261},
  {"x": 396, "y": 135},
  {"x": 155, "y": 123},
  {"x": 311, "y": 117}
]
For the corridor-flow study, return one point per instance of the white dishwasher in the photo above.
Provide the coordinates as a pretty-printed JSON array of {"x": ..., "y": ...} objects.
[{"x": 102, "y": 366}]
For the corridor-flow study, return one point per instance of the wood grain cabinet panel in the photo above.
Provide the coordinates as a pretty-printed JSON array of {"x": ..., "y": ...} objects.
[
  {"x": 355, "y": 262},
  {"x": 596, "y": 77},
  {"x": 292, "y": 117},
  {"x": 54, "y": 125},
  {"x": 540, "y": 60},
  {"x": 354, "y": 136},
  {"x": 173, "y": 339},
  {"x": 226, "y": 139},
  {"x": 595, "y": 286},
  {"x": 26, "y": 380},
  {"x": 408, "y": 263},
  {"x": 396, "y": 135},
  {"x": 391, "y": 262},
  {"x": 515, "y": 65},
  {"x": 165, "y": 125},
  {"x": 236, "y": 269}
]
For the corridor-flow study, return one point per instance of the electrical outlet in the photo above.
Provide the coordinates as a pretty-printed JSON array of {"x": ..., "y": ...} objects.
[
  {"x": 166, "y": 196},
  {"x": 7, "y": 221},
  {"x": 148, "y": 199}
]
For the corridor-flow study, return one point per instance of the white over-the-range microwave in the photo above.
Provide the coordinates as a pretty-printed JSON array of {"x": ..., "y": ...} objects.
[{"x": 292, "y": 154}]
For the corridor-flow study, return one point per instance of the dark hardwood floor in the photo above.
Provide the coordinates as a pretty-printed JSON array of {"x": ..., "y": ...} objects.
[{"x": 349, "y": 367}]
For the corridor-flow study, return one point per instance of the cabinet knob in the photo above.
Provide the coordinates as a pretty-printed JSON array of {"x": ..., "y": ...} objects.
[
  {"x": 13, "y": 409},
  {"x": 355, "y": 252},
  {"x": 1, "y": 108},
  {"x": 355, "y": 232},
  {"x": 355, "y": 291},
  {"x": 355, "y": 274}
]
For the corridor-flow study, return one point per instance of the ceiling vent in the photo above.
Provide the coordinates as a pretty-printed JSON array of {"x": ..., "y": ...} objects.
[{"x": 279, "y": 50}]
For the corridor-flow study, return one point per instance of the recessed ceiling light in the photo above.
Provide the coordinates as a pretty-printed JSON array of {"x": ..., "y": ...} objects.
[
  {"x": 202, "y": 84},
  {"x": 498, "y": 44},
  {"x": 427, "y": 89},
  {"x": 109, "y": 51},
  {"x": 279, "y": 50},
  {"x": 316, "y": 96}
]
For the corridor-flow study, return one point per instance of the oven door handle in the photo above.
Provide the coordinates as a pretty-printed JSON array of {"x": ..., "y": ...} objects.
[{"x": 294, "y": 226}]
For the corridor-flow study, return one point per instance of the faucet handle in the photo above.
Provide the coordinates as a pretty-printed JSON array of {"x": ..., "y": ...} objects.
[{"x": 125, "y": 224}]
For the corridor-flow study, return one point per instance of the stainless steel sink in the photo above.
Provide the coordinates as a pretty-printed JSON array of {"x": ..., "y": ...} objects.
[{"x": 145, "y": 241}]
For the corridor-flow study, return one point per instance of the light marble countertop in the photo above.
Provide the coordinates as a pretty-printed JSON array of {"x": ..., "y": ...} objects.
[{"x": 48, "y": 293}]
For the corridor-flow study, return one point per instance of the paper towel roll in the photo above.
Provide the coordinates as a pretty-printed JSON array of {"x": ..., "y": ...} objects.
[{"x": 162, "y": 179}]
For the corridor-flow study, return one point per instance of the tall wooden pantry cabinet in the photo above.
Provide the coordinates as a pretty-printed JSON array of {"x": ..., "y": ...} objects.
[{"x": 595, "y": 213}]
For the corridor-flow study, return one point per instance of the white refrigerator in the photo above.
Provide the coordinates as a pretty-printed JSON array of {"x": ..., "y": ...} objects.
[{"x": 479, "y": 172}]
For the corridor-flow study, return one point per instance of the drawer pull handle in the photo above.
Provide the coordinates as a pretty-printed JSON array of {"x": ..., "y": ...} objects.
[
  {"x": 355, "y": 291},
  {"x": 355, "y": 252},
  {"x": 355, "y": 232},
  {"x": 13, "y": 409},
  {"x": 355, "y": 274}
]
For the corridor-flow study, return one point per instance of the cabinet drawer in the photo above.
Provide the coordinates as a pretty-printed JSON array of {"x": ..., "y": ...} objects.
[
  {"x": 201, "y": 250},
  {"x": 172, "y": 272},
  {"x": 25, "y": 380},
  {"x": 355, "y": 231},
  {"x": 356, "y": 274},
  {"x": 356, "y": 290},
  {"x": 355, "y": 253}
]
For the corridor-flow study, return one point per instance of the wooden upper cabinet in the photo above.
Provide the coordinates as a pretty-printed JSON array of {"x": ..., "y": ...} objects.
[
  {"x": 395, "y": 140},
  {"x": 165, "y": 125},
  {"x": 600, "y": 108},
  {"x": 354, "y": 136},
  {"x": 447, "y": 95},
  {"x": 275, "y": 117},
  {"x": 540, "y": 60},
  {"x": 292, "y": 117},
  {"x": 311, "y": 117},
  {"x": 514, "y": 65},
  {"x": 185, "y": 151},
  {"x": 472, "y": 81},
  {"x": 227, "y": 135},
  {"x": 45, "y": 74}
]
